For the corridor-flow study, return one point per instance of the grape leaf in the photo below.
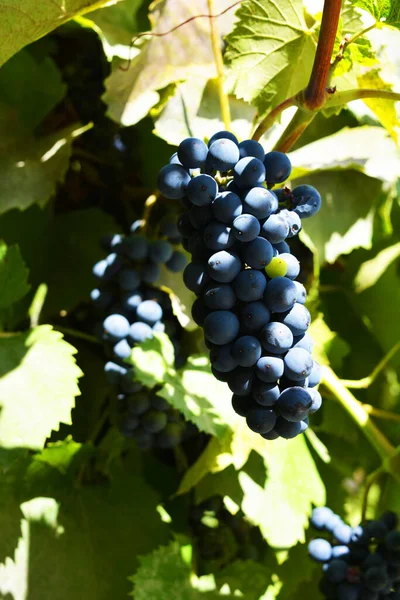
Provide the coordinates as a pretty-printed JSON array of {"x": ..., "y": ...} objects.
[
  {"x": 385, "y": 110},
  {"x": 270, "y": 52},
  {"x": 163, "y": 60},
  {"x": 282, "y": 506},
  {"x": 30, "y": 166},
  {"x": 247, "y": 576},
  {"x": 24, "y": 21},
  {"x": 371, "y": 270},
  {"x": 60, "y": 455},
  {"x": 13, "y": 275},
  {"x": 30, "y": 86},
  {"x": 386, "y": 12},
  {"x": 38, "y": 386}
]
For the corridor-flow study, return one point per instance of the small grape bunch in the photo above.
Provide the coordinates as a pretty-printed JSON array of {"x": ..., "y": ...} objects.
[
  {"x": 131, "y": 310},
  {"x": 248, "y": 301},
  {"x": 359, "y": 563}
]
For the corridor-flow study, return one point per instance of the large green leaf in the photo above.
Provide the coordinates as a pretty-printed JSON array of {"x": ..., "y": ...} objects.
[
  {"x": 282, "y": 505},
  {"x": 371, "y": 270},
  {"x": 249, "y": 577},
  {"x": 13, "y": 275},
  {"x": 38, "y": 385},
  {"x": 386, "y": 12},
  {"x": 163, "y": 60},
  {"x": 24, "y": 21},
  {"x": 270, "y": 52}
]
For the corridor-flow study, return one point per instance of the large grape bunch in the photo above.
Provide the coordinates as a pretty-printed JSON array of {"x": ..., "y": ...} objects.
[
  {"x": 131, "y": 309},
  {"x": 359, "y": 563},
  {"x": 248, "y": 300}
]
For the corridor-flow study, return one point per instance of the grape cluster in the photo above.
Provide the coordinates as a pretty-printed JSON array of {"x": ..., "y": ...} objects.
[
  {"x": 131, "y": 310},
  {"x": 359, "y": 563},
  {"x": 248, "y": 300}
]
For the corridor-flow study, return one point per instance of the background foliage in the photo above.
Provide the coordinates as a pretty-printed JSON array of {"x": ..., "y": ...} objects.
[{"x": 83, "y": 513}]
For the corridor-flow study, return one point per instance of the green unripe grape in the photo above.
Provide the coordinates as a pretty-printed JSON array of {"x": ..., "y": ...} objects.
[{"x": 276, "y": 268}]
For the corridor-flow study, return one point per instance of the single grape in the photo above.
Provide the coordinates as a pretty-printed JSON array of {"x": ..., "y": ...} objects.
[
  {"x": 202, "y": 190},
  {"x": 160, "y": 251},
  {"x": 392, "y": 540},
  {"x": 306, "y": 201},
  {"x": 184, "y": 225},
  {"x": 301, "y": 292},
  {"x": 222, "y": 359},
  {"x": 298, "y": 319},
  {"x": 269, "y": 368},
  {"x": 192, "y": 153},
  {"x": 101, "y": 270},
  {"x": 251, "y": 148},
  {"x": 129, "y": 279},
  {"x": 249, "y": 172},
  {"x": 316, "y": 400},
  {"x": 116, "y": 327},
  {"x": 223, "y": 154},
  {"x": 320, "y": 550},
  {"x": 258, "y": 253},
  {"x": 249, "y": 285},
  {"x": 240, "y": 381},
  {"x": 131, "y": 300},
  {"x": 219, "y": 296},
  {"x": 173, "y": 181},
  {"x": 122, "y": 349},
  {"x": 260, "y": 202},
  {"x": 138, "y": 403},
  {"x": 227, "y": 135},
  {"x": 177, "y": 262},
  {"x": 286, "y": 383},
  {"x": 195, "y": 277},
  {"x": 197, "y": 247},
  {"x": 139, "y": 332},
  {"x": 128, "y": 385},
  {"x": 293, "y": 220},
  {"x": 174, "y": 160},
  {"x": 303, "y": 341},
  {"x": 242, "y": 404},
  {"x": 280, "y": 294},
  {"x": 226, "y": 207},
  {"x": 275, "y": 229},
  {"x": 224, "y": 266},
  {"x": 150, "y": 273},
  {"x": 266, "y": 394},
  {"x": 218, "y": 236},
  {"x": 376, "y": 578},
  {"x": 254, "y": 315},
  {"x": 143, "y": 438},
  {"x": 276, "y": 338},
  {"x": 336, "y": 571},
  {"x": 246, "y": 228},
  {"x": 261, "y": 419},
  {"x": 289, "y": 430},
  {"x": 271, "y": 435},
  {"x": 319, "y": 516},
  {"x": 112, "y": 242},
  {"x": 154, "y": 420},
  {"x": 294, "y": 404},
  {"x": 276, "y": 268},
  {"x": 348, "y": 591},
  {"x": 246, "y": 350},
  {"x": 340, "y": 552},
  {"x": 342, "y": 533},
  {"x": 149, "y": 312},
  {"x": 277, "y": 167},
  {"x": 298, "y": 364},
  {"x": 282, "y": 247},
  {"x": 114, "y": 372},
  {"x": 221, "y": 327},
  {"x": 199, "y": 311},
  {"x": 293, "y": 265}
]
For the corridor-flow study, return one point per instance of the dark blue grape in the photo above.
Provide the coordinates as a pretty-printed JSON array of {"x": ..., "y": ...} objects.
[
  {"x": 116, "y": 327},
  {"x": 114, "y": 372},
  {"x": 280, "y": 294},
  {"x": 282, "y": 247},
  {"x": 306, "y": 201},
  {"x": 260, "y": 202},
  {"x": 336, "y": 571},
  {"x": 221, "y": 327},
  {"x": 246, "y": 350},
  {"x": 138, "y": 403},
  {"x": 249, "y": 285},
  {"x": 269, "y": 368},
  {"x": 271, "y": 435},
  {"x": 375, "y": 529},
  {"x": 200, "y": 216},
  {"x": 316, "y": 400},
  {"x": 174, "y": 160},
  {"x": 251, "y": 148},
  {"x": 177, "y": 262},
  {"x": 242, "y": 404},
  {"x": 144, "y": 439},
  {"x": 294, "y": 404},
  {"x": 298, "y": 364},
  {"x": 150, "y": 273},
  {"x": 315, "y": 376},
  {"x": 276, "y": 338},
  {"x": 100, "y": 270},
  {"x": 127, "y": 384},
  {"x": 154, "y": 420},
  {"x": 342, "y": 533},
  {"x": 184, "y": 225},
  {"x": 277, "y": 167},
  {"x": 136, "y": 247},
  {"x": 173, "y": 181},
  {"x": 293, "y": 220},
  {"x": 303, "y": 341},
  {"x": 258, "y": 253},
  {"x": 112, "y": 242},
  {"x": 319, "y": 516},
  {"x": 129, "y": 279},
  {"x": 224, "y": 266},
  {"x": 275, "y": 229},
  {"x": 222, "y": 359},
  {"x": 199, "y": 311},
  {"x": 197, "y": 247},
  {"x": 261, "y": 420},
  {"x": 122, "y": 349},
  {"x": 348, "y": 591},
  {"x": 298, "y": 319},
  {"x": 192, "y": 153},
  {"x": 226, "y": 135},
  {"x": 320, "y": 550},
  {"x": 226, "y": 207},
  {"x": 254, "y": 315},
  {"x": 149, "y": 312},
  {"x": 219, "y": 296},
  {"x": 160, "y": 251},
  {"x": 170, "y": 436},
  {"x": 293, "y": 265},
  {"x": 301, "y": 292},
  {"x": 223, "y": 154},
  {"x": 376, "y": 578},
  {"x": 246, "y": 228},
  {"x": 390, "y": 519},
  {"x": 249, "y": 172},
  {"x": 195, "y": 277},
  {"x": 240, "y": 381},
  {"x": 340, "y": 552},
  {"x": 139, "y": 332},
  {"x": 392, "y": 540},
  {"x": 286, "y": 383},
  {"x": 218, "y": 236},
  {"x": 289, "y": 430},
  {"x": 202, "y": 190},
  {"x": 266, "y": 394}
]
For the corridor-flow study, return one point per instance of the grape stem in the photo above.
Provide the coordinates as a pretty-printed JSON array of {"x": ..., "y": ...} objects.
[
  {"x": 367, "y": 381},
  {"x": 357, "y": 412},
  {"x": 371, "y": 479},
  {"x": 347, "y": 40},
  {"x": 219, "y": 64},
  {"x": 271, "y": 117},
  {"x": 293, "y": 131},
  {"x": 77, "y": 334},
  {"x": 342, "y": 98}
]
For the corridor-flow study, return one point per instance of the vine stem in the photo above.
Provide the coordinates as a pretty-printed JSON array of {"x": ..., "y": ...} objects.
[
  {"x": 219, "y": 63},
  {"x": 367, "y": 381},
  {"x": 371, "y": 479},
  {"x": 78, "y": 334},
  {"x": 381, "y": 444},
  {"x": 315, "y": 92},
  {"x": 293, "y": 131},
  {"x": 271, "y": 117},
  {"x": 341, "y": 98}
]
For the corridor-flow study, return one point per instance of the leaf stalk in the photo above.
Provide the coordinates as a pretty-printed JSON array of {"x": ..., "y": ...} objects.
[{"x": 219, "y": 64}]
